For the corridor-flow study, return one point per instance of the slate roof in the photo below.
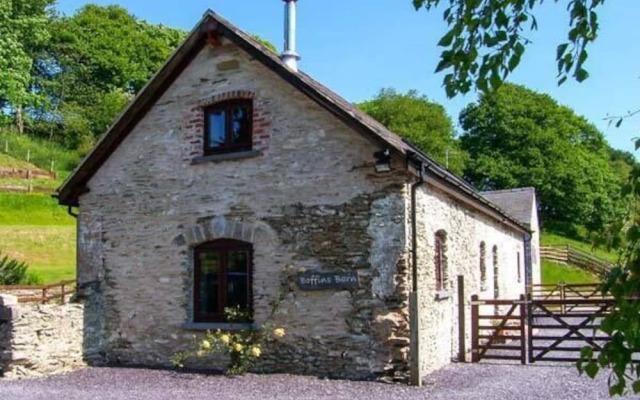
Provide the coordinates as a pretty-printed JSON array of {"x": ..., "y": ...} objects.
[
  {"x": 519, "y": 203},
  {"x": 75, "y": 185}
]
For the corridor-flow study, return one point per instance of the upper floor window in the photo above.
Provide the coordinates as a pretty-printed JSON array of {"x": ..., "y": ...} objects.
[
  {"x": 228, "y": 127},
  {"x": 222, "y": 279}
]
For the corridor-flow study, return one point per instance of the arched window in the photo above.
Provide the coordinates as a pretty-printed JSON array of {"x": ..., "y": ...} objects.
[
  {"x": 222, "y": 279},
  {"x": 441, "y": 260},
  {"x": 483, "y": 266},
  {"x": 496, "y": 286}
]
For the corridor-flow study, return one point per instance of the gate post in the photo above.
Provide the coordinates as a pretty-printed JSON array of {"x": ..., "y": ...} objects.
[
  {"x": 461, "y": 320},
  {"x": 530, "y": 327},
  {"x": 523, "y": 341},
  {"x": 475, "y": 343},
  {"x": 563, "y": 297}
]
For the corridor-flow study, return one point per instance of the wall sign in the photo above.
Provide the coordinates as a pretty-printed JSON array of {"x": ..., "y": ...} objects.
[{"x": 327, "y": 280}]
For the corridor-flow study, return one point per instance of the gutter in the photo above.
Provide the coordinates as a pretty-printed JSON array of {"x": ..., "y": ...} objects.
[
  {"x": 414, "y": 222},
  {"x": 69, "y": 208}
]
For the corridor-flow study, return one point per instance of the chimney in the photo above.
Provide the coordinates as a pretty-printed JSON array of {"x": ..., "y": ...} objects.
[{"x": 289, "y": 55}]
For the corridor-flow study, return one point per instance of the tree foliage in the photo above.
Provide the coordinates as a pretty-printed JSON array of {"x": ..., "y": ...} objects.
[
  {"x": 424, "y": 123},
  {"x": 94, "y": 63},
  {"x": 516, "y": 137},
  {"x": 23, "y": 31},
  {"x": 483, "y": 45},
  {"x": 486, "y": 40}
]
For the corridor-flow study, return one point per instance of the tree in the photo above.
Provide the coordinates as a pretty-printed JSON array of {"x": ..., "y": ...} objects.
[
  {"x": 485, "y": 42},
  {"x": 94, "y": 64},
  {"x": 483, "y": 45},
  {"x": 516, "y": 137},
  {"x": 424, "y": 123},
  {"x": 23, "y": 30}
]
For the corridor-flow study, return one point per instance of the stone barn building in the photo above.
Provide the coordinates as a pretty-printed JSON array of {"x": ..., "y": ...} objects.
[{"x": 235, "y": 180}]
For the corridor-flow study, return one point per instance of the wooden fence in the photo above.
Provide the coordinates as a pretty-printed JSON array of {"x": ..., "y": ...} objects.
[
  {"x": 564, "y": 293},
  {"x": 571, "y": 256},
  {"x": 42, "y": 294}
]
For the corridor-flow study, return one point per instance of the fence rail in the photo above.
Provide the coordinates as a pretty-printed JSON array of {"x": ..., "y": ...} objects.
[
  {"x": 42, "y": 294},
  {"x": 572, "y": 256}
]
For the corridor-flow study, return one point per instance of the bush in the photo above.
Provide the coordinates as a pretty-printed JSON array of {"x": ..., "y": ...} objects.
[
  {"x": 13, "y": 272},
  {"x": 243, "y": 347}
]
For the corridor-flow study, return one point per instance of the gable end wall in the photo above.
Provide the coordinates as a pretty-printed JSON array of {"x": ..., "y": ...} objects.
[{"x": 310, "y": 201}]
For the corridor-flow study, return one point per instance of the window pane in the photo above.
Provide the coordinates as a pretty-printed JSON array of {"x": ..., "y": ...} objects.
[
  {"x": 208, "y": 290},
  {"x": 238, "y": 261},
  {"x": 237, "y": 293},
  {"x": 237, "y": 279},
  {"x": 240, "y": 126},
  {"x": 216, "y": 133}
]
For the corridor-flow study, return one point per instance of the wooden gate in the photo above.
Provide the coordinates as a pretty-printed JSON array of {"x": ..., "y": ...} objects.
[
  {"x": 498, "y": 329},
  {"x": 551, "y": 324},
  {"x": 559, "y": 329}
]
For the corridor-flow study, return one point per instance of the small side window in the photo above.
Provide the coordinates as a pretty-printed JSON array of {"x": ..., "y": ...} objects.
[
  {"x": 441, "y": 260},
  {"x": 483, "y": 266}
]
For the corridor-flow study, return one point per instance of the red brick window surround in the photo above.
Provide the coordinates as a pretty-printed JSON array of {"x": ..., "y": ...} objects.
[{"x": 227, "y": 126}]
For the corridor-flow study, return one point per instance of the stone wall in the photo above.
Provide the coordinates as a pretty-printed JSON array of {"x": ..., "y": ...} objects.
[
  {"x": 39, "y": 339},
  {"x": 465, "y": 229},
  {"x": 310, "y": 200}
]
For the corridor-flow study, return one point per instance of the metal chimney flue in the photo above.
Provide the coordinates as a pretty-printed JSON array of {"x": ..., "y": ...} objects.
[{"x": 289, "y": 55}]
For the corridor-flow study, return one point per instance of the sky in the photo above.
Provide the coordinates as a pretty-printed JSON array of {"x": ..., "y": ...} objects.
[{"x": 358, "y": 47}]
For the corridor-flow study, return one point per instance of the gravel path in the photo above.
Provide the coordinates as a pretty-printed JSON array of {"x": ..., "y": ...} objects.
[{"x": 459, "y": 381}]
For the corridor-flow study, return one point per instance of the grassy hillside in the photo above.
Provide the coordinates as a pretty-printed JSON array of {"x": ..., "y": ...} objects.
[
  {"x": 552, "y": 239},
  {"x": 554, "y": 273},
  {"x": 33, "y": 227},
  {"x": 41, "y": 153}
]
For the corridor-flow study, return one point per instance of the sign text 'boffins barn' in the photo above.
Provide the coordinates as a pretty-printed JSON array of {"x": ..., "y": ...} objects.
[{"x": 327, "y": 280}]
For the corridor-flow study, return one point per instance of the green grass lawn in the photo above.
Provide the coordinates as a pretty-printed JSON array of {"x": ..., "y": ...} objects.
[
  {"x": 42, "y": 184},
  {"x": 32, "y": 209},
  {"x": 553, "y": 273},
  {"x": 35, "y": 229},
  {"x": 551, "y": 239},
  {"x": 49, "y": 251}
]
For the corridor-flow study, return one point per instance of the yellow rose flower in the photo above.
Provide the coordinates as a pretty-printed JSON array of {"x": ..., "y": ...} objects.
[
  {"x": 200, "y": 353},
  {"x": 278, "y": 332},
  {"x": 237, "y": 347},
  {"x": 255, "y": 351},
  {"x": 206, "y": 345},
  {"x": 225, "y": 339}
]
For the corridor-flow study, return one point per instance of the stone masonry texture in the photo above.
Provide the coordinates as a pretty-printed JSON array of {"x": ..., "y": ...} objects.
[{"x": 41, "y": 339}]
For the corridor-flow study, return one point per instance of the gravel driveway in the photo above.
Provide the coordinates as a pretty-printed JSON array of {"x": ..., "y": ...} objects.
[{"x": 458, "y": 381}]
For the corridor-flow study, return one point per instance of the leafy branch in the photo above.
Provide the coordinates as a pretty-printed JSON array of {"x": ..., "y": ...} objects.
[{"x": 485, "y": 40}]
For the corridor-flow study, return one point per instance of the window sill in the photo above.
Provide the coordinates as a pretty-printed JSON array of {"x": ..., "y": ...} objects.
[
  {"x": 223, "y": 326},
  {"x": 240, "y": 155},
  {"x": 442, "y": 295}
]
